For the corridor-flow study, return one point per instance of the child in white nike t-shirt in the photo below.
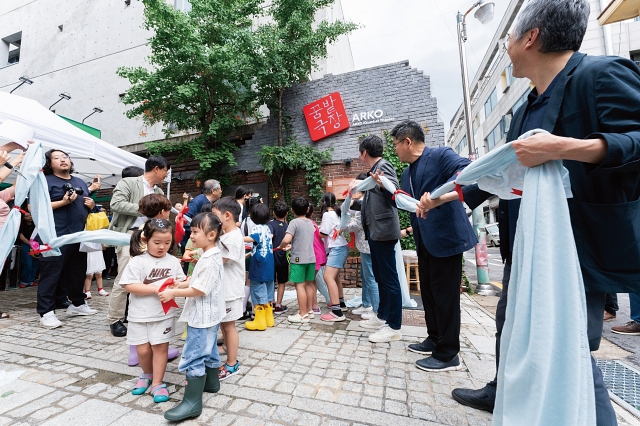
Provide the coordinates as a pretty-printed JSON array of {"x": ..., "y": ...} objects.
[{"x": 150, "y": 328}]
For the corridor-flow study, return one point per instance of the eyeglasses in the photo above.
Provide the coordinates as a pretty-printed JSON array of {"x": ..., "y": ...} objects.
[
  {"x": 395, "y": 145},
  {"x": 507, "y": 40},
  {"x": 60, "y": 157}
]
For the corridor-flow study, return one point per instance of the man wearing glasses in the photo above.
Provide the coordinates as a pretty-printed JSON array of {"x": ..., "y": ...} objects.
[{"x": 63, "y": 276}]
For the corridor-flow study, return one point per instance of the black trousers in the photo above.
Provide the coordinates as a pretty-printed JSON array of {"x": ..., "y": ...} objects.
[
  {"x": 605, "y": 416},
  {"x": 60, "y": 274},
  {"x": 440, "y": 288},
  {"x": 383, "y": 262},
  {"x": 611, "y": 303}
]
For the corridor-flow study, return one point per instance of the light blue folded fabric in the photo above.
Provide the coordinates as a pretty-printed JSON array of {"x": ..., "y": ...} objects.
[
  {"x": 102, "y": 236},
  {"x": 31, "y": 182},
  {"x": 545, "y": 375}
]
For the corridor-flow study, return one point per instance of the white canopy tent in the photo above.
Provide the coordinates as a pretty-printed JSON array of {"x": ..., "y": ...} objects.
[{"x": 89, "y": 154}]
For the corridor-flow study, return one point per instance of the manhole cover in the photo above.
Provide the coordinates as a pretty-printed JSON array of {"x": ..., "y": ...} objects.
[
  {"x": 621, "y": 380},
  {"x": 413, "y": 317}
]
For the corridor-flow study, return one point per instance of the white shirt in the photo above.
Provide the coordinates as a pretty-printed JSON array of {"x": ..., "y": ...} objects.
[
  {"x": 154, "y": 271},
  {"x": 147, "y": 190},
  {"x": 330, "y": 222},
  {"x": 234, "y": 267},
  {"x": 209, "y": 309}
]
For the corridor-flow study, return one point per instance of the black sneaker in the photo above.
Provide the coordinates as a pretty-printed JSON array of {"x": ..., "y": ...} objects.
[
  {"x": 424, "y": 348},
  {"x": 480, "y": 399},
  {"x": 280, "y": 309},
  {"x": 343, "y": 305},
  {"x": 432, "y": 364}
]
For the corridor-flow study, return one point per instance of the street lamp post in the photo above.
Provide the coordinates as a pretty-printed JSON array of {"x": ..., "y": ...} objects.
[
  {"x": 24, "y": 79},
  {"x": 484, "y": 14},
  {"x": 64, "y": 95},
  {"x": 94, "y": 111}
]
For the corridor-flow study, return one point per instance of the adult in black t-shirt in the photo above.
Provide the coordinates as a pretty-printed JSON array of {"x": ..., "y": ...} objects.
[{"x": 66, "y": 272}]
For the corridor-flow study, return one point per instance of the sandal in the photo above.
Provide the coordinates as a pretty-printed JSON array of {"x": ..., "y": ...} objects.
[
  {"x": 4, "y": 315},
  {"x": 227, "y": 371},
  {"x": 144, "y": 381},
  {"x": 160, "y": 393}
]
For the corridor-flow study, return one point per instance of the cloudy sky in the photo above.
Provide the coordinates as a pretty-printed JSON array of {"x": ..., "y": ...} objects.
[{"x": 424, "y": 32}]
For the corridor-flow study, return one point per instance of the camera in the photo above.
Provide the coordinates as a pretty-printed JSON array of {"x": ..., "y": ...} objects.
[{"x": 69, "y": 189}]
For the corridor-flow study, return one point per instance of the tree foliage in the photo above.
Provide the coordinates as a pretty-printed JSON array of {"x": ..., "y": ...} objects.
[
  {"x": 290, "y": 47},
  {"x": 278, "y": 160},
  {"x": 201, "y": 77}
]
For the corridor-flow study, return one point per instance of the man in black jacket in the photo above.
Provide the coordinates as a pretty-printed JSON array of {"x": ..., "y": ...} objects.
[{"x": 590, "y": 105}]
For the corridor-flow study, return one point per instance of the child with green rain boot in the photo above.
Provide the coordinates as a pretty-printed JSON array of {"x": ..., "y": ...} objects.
[
  {"x": 203, "y": 311},
  {"x": 261, "y": 270}
]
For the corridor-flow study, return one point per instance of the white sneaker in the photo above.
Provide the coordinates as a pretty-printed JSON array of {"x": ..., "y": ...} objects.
[
  {"x": 103, "y": 292},
  {"x": 297, "y": 318},
  {"x": 362, "y": 310},
  {"x": 369, "y": 315},
  {"x": 385, "y": 334},
  {"x": 87, "y": 295},
  {"x": 80, "y": 310},
  {"x": 49, "y": 320},
  {"x": 372, "y": 324}
]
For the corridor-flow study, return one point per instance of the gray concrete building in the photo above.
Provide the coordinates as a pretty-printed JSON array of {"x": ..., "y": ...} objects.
[
  {"x": 495, "y": 94},
  {"x": 75, "y": 47}
]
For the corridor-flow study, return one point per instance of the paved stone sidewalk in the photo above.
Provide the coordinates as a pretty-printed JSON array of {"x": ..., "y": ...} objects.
[{"x": 316, "y": 374}]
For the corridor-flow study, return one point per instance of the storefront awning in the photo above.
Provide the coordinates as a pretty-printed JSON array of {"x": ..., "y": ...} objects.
[{"x": 619, "y": 10}]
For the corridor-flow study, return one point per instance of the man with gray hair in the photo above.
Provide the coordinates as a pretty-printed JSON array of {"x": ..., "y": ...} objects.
[
  {"x": 589, "y": 105},
  {"x": 211, "y": 192}
]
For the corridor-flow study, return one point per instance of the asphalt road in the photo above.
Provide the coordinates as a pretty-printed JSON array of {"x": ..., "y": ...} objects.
[{"x": 495, "y": 266}]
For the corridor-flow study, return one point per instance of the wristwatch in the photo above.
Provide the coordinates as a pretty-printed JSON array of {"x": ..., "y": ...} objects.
[
  {"x": 8, "y": 165},
  {"x": 407, "y": 231}
]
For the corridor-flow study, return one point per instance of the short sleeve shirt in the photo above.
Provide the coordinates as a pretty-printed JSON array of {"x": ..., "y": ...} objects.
[
  {"x": 330, "y": 222},
  {"x": 302, "y": 231},
  {"x": 72, "y": 217},
  {"x": 150, "y": 270},
  {"x": 234, "y": 269},
  {"x": 209, "y": 309},
  {"x": 262, "y": 267},
  {"x": 278, "y": 229}
]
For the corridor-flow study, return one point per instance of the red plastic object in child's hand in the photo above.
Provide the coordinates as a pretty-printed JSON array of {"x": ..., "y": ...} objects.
[{"x": 171, "y": 303}]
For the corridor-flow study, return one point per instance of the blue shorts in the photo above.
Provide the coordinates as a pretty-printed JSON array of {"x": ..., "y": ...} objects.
[{"x": 337, "y": 256}]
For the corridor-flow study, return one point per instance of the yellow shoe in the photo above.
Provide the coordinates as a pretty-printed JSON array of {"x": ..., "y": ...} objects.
[
  {"x": 259, "y": 322},
  {"x": 269, "y": 315},
  {"x": 184, "y": 334}
]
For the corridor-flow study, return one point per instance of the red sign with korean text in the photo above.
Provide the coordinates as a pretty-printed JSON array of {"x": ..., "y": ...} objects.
[{"x": 326, "y": 117}]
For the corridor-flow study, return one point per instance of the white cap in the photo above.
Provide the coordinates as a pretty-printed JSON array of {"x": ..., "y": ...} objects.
[{"x": 12, "y": 131}]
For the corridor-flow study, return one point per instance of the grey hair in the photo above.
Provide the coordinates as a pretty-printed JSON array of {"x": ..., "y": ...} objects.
[
  {"x": 562, "y": 23},
  {"x": 210, "y": 185}
]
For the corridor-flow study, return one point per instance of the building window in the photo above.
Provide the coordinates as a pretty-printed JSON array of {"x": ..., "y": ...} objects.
[
  {"x": 505, "y": 124},
  {"x": 182, "y": 5},
  {"x": 476, "y": 123},
  {"x": 635, "y": 57},
  {"x": 490, "y": 104},
  {"x": 520, "y": 101},
  {"x": 461, "y": 149},
  {"x": 507, "y": 78},
  {"x": 10, "y": 49},
  {"x": 493, "y": 137}
]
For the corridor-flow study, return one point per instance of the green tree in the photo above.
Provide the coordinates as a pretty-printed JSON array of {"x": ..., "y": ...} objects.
[
  {"x": 290, "y": 47},
  {"x": 200, "y": 77}
]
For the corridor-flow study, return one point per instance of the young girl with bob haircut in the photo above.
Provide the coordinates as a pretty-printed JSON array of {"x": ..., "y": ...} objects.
[
  {"x": 150, "y": 328},
  {"x": 338, "y": 253},
  {"x": 203, "y": 311}
]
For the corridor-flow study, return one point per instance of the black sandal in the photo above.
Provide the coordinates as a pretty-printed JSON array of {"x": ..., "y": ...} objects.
[{"x": 4, "y": 315}]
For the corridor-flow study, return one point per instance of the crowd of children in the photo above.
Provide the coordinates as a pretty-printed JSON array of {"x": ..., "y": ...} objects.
[{"x": 216, "y": 284}]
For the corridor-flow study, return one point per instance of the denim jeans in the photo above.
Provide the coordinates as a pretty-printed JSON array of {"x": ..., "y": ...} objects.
[
  {"x": 200, "y": 351},
  {"x": 370, "y": 293},
  {"x": 261, "y": 292},
  {"x": 29, "y": 265},
  {"x": 634, "y": 302}
]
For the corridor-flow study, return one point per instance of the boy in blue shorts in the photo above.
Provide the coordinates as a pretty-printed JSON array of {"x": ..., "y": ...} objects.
[{"x": 300, "y": 235}]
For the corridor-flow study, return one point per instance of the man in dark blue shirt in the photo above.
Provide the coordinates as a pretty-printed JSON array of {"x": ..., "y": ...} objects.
[{"x": 65, "y": 272}]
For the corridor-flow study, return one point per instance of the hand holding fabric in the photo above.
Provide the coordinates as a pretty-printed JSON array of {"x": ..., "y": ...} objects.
[{"x": 166, "y": 296}]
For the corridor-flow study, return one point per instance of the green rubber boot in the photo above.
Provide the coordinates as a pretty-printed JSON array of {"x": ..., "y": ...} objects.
[
  {"x": 191, "y": 405},
  {"x": 212, "y": 384}
]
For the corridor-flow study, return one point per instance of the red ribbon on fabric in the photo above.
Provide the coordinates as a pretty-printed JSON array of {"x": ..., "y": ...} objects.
[
  {"x": 516, "y": 191},
  {"x": 458, "y": 189},
  {"x": 399, "y": 191},
  {"x": 180, "y": 225},
  {"x": 20, "y": 210},
  {"x": 346, "y": 191},
  {"x": 45, "y": 247},
  {"x": 352, "y": 240},
  {"x": 335, "y": 234},
  {"x": 171, "y": 303}
]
